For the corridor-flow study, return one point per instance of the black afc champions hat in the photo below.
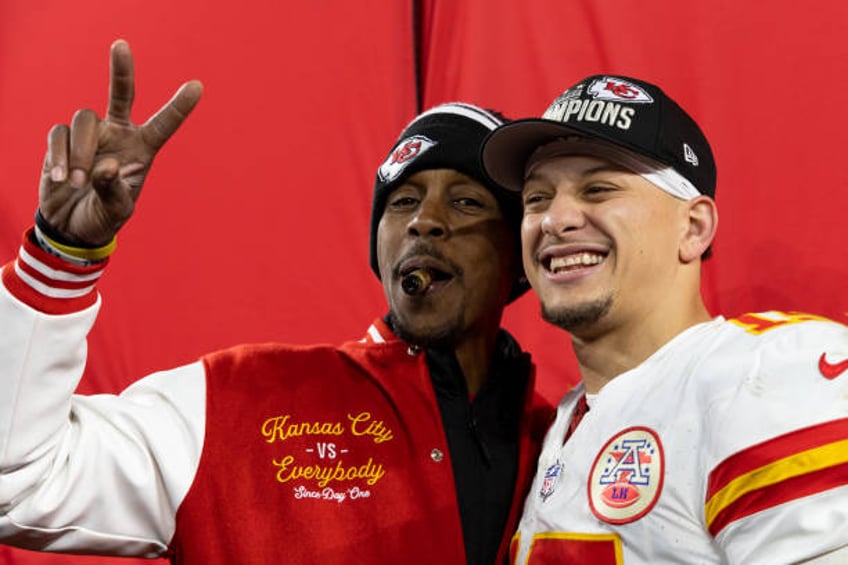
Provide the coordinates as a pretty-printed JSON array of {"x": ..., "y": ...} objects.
[{"x": 626, "y": 112}]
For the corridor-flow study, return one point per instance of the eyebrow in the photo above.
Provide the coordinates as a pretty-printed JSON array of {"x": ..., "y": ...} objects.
[{"x": 478, "y": 189}]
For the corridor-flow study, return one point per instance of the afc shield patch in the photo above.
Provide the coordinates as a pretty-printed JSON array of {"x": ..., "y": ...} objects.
[{"x": 626, "y": 479}]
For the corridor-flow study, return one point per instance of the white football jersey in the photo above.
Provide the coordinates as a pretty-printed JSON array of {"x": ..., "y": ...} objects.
[{"x": 727, "y": 445}]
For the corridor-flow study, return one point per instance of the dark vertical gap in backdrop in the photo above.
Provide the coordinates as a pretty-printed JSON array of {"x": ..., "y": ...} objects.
[{"x": 417, "y": 52}]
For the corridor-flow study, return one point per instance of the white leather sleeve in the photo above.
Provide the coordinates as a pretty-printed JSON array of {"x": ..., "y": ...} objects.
[{"x": 101, "y": 474}]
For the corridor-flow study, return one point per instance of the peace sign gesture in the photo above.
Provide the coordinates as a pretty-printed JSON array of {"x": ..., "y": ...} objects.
[{"x": 94, "y": 170}]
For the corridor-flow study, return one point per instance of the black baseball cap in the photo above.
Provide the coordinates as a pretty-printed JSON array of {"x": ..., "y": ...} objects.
[{"x": 626, "y": 112}]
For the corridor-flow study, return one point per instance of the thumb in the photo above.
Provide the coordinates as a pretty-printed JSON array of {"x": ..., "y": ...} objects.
[
  {"x": 104, "y": 177},
  {"x": 113, "y": 193}
]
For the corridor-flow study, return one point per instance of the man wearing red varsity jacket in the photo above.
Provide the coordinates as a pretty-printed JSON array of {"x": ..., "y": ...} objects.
[{"x": 414, "y": 444}]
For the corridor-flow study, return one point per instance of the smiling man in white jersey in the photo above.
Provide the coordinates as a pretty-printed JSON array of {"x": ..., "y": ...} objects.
[{"x": 691, "y": 438}]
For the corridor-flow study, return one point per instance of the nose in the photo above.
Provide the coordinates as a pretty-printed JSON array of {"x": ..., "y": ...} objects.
[
  {"x": 564, "y": 214},
  {"x": 429, "y": 220}
]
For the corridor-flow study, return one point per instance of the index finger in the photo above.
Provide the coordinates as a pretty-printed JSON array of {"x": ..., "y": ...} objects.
[
  {"x": 121, "y": 83},
  {"x": 165, "y": 122}
]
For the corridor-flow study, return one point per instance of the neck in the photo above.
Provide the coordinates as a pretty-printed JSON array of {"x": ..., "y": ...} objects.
[
  {"x": 474, "y": 355},
  {"x": 603, "y": 355}
]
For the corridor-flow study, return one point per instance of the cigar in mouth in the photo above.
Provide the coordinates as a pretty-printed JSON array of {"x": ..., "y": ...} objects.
[{"x": 416, "y": 282}]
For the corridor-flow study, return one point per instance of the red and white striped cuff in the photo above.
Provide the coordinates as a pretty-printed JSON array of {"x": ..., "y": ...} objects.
[{"x": 49, "y": 284}]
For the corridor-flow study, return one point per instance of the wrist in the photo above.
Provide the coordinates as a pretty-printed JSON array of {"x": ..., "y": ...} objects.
[
  {"x": 48, "y": 283},
  {"x": 76, "y": 252}
]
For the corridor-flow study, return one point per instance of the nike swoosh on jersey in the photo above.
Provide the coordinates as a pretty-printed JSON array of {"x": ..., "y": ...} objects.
[{"x": 831, "y": 370}]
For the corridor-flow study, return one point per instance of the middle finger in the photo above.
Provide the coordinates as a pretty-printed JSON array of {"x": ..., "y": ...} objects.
[{"x": 83, "y": 146}]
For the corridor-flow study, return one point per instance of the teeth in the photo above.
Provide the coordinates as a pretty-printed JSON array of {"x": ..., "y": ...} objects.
[{"x": 575, "y": 261}]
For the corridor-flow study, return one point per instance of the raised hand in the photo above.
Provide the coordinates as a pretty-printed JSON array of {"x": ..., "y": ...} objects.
[{"x": 94, "y": 170}]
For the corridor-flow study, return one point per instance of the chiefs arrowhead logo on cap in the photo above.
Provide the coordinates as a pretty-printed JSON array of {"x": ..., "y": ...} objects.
[
  {"x": 619, "y": 90},
  {"x": 402, "y": 155}
]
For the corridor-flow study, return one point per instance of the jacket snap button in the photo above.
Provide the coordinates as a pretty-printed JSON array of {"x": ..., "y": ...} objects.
[{"x": 437, "y": 455}]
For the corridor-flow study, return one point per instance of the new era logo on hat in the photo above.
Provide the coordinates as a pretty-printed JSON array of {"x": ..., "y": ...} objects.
[{"x": 625, "y": 112}]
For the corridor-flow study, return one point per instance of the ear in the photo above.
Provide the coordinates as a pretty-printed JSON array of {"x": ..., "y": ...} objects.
[{"x": 703, "y": 221}]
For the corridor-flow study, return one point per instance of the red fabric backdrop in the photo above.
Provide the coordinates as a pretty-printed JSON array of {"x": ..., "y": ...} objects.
[{"x": 254, "y": 223}]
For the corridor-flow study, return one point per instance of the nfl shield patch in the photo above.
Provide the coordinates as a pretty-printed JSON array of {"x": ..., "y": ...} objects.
[{"x": 550, "y": 481}]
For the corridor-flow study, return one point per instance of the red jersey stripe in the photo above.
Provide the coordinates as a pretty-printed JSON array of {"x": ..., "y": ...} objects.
[
  {"x": 774, "y": 449},
  {"x": 773, "y": 464},
  {"x": 786, "y": 491}
]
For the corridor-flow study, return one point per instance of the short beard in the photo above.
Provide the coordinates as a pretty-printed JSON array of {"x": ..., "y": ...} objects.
[
  {"x": 448, "y": 335},
  {"x": 577, "y": 317}
]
